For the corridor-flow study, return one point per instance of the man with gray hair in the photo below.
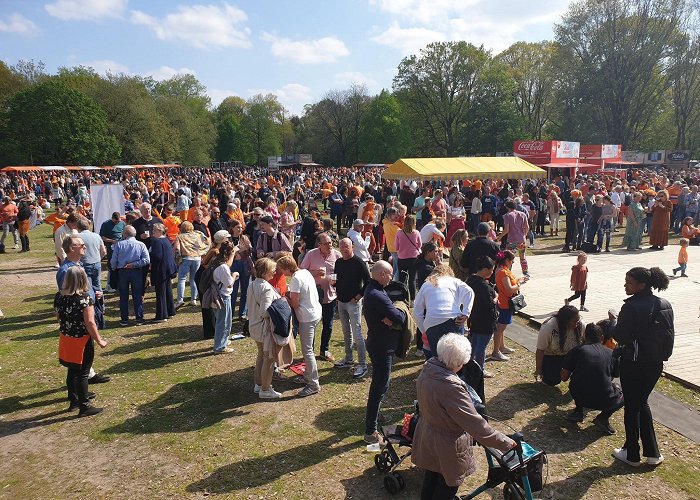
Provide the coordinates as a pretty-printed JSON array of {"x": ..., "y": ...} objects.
[
  {"x": 129, "y": 259},
  {"x": 382, "y": 340}
]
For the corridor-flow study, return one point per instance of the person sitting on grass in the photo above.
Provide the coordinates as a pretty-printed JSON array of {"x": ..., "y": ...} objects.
[{"x": 591, "y": 368}]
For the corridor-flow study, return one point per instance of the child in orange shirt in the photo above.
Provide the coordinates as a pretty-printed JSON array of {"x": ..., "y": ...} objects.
[
  {"x": 682, "y": 258},
  {"x": 579, "y": 280}
]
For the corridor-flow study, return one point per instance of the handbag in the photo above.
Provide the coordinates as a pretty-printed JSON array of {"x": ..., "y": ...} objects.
[{"x": 517, "y": 302}]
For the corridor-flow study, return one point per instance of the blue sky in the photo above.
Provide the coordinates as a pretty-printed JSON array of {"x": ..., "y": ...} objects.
[{"x": 296, "y": 49}]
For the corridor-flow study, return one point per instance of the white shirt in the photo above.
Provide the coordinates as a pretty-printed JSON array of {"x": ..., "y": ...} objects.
[
  {"x": 303, "y": 283},
  {"x": 360, "y": 245},
  {"x": 616, "y": 199},
  {"x": 426, "y": 234},
  {"x": 436, "y": 304},
  {"x": 222, "y": 277},
  {"x": 476, "y": 205}
]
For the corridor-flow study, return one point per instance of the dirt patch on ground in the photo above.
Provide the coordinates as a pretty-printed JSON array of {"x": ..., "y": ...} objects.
[{"x": 23, "y": 273}]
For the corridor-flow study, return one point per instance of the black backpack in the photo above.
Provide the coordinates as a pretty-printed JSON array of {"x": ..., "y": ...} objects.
[{"x": 656, "y": 342}]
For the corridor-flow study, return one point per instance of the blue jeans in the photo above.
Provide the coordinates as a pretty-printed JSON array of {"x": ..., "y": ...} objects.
[
  {"x": 222, "y": 325},
  {"x": 133, "y": 278},
  {"x": 93, "y": 273},
  {"x": 480, "y": 342},
  {"x": 475, "y": 219},
  {"x": 434, "y": 333},
  {"x": 395, "y": 265},
  {"x": 681, "y": 268},
  {"x": 678, "y": 216},
  {"x": 242, "y": 282},
  {"x": 187, "y": 266},
  {"x": 381, "y": 373}
]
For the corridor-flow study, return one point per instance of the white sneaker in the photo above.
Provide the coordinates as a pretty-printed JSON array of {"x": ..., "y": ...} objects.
[
  {"x": 256, "y": 389},
  {"x": 507, "y": 350},
  {"x": 499, "y": 357},
  {"x": 16, "y": 246},
  {"x": 179, "y": 304},
  {"x": 621, "y": 455},
  {"x": 269, "y": 394},
  {"x": 655, "y": 460},
  {"x": 194, "y": 302}
]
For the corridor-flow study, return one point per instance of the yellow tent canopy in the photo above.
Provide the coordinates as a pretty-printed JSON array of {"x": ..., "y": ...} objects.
[{"x": 450, "y": 169}]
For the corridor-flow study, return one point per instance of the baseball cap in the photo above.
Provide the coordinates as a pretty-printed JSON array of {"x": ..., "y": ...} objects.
[
  {"x": 358, "y": 222},
  {"x": 221, "y": 236},
  {"x": 267, "y": 219}
]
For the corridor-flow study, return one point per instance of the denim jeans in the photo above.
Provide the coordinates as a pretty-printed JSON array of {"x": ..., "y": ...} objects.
[
  {"x": 327, "y": 320},
  {"x": 681, "y": 268},
  {"x": 480, "y": 342},
  {"x": 6, "y": 228},
  {"x": 395, "y": 265},
  {"x": 222, "y": 325},
  {"x": 133, "y": 278},
  {"x": 350, "y": 320},
  {"x": 93, "y": 272},
  {"x": 381, "y": 373},
  {"x": 474, "y": 219},
  {"x": 306, "y": 336},
  {"x": 434, "y": 333},
  {"x": 241, "y": 283},
  {"x": 187, "y": 266}
]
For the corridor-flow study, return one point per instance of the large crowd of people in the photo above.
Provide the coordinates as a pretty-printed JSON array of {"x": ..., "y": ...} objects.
[{"x": 273, "y": 254}]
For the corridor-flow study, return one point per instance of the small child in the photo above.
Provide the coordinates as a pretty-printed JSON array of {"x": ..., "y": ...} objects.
[
  {"x": 579, "y": 284},
  {"x": 492, "y": 231},
  {"x": 682, "y": 258}
]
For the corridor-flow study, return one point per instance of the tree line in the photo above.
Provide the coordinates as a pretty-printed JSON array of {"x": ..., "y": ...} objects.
[{"x": 618, "y": 72}]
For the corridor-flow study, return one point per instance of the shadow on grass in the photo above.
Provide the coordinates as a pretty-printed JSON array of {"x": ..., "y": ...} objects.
[
  {"x": 254, "y": 472},
  {"x": 549, "y": 431},
  {"x": 190, "y": 406},
  {"x": 163, "y": 337},
  {"x": 370, "y": 484},
  {"x": 577, "y": 485},
  {"x": 12, "y": 404},
  {"x": 11, "y": 427},
  {"x": 156, "y": 362}
]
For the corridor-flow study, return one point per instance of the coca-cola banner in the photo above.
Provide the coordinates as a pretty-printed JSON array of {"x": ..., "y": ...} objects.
[
  {"x": 532, "y": 148},
  {"x": 611, "y": 151},
  {"x": 566, "y": 149}
]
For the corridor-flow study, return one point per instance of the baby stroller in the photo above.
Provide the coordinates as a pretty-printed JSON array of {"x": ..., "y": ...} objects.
[
  {"x": 398, "y": 289},
  {"x": 388, "y": 460}
]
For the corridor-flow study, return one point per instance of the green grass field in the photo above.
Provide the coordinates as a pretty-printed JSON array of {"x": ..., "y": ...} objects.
[{"x": 180, "y": 422}]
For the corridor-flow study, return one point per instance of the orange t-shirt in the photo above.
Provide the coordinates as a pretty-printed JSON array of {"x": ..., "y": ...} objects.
[
  {"x": 279, "y": 281},
  {"x": 683, "y": 255},
  {"x": 503, "y": 294},
  {"x": 172, "y": 226}
]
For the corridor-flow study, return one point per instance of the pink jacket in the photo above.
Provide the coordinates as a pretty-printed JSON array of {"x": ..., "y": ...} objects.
[{"x": 408, "y": 245}]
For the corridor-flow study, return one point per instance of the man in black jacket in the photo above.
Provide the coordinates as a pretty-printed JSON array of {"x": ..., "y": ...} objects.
[
  {"x": 382, "y": 340},
  {"x": 480, "y": 246}
]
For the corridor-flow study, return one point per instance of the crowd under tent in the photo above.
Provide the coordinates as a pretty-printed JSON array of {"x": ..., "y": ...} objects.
[{"x": 456, "y": 169}]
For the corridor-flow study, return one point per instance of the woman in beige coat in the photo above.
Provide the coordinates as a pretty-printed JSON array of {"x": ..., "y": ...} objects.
[
  {"x": 261, "y": 295},
  {"x": 448, "y": 422}
]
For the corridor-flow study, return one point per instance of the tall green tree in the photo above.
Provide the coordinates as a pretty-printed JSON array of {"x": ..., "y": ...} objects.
[
  {"x": 531, "y": 68},
  {"x": 383, "y": 130},
  {"x": 260, "y": 128},
  {"x": 684, "y": 78},
  {"x": 438, "y": 88},
  {"x": 617, "y": 53},
  {"x": 54, "y": 124}
]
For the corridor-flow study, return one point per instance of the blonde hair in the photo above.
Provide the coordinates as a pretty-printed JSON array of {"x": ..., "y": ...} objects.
[
  {"x": 440, "y": 271},
  {"x": 264, "y": 266},
  {"x": 75, "y": 281},
  {"x": 287, "y": 263},
  {"x": 160, "y": 227},
  {"x": 409, "y": 224},
  {"x": 684, "y": 242},
  {"x": 186, "y": 227}
]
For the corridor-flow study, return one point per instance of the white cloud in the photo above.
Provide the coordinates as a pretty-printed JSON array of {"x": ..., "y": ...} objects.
[
  {"x": 322, "y": 50},
  {"x": 201, "y": 26},
  {"x": 348, "y": 77},
  {"x": 18, "y": 24},
  {"x": 293, "y": 96},
  {"x": 408, "y": 40},
  {"x": 496, "y": 25},
  {"x": 70, "y": 10},
  {"x": 166, "y": 72},
  {"x": 104, "y": 66},
  {"x": 218, "y": 95}
]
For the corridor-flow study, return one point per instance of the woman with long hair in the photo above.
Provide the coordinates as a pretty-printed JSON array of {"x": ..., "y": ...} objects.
[
  {"x": 645, "y": 330},
  {"x": 408, "y": 247},
  {"x": 222, "y": 281},
  {"x": 507, "y": 286},
  {"x": 558, "y": 335},
  {"x": 76, "y": 315},
  {"x": 457, "y": 245}
]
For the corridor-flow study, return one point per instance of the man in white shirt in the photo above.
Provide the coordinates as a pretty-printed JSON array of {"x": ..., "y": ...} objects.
[
  {"x": 432, "y": 232},
  {"x": 360, "y": 244},
  {"x": 475, "y": 212}
]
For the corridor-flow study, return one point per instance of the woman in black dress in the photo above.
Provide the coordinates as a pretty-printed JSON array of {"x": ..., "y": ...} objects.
[
  {"x": 75, "y": 313},
  {"x": 163, "y": 269}
]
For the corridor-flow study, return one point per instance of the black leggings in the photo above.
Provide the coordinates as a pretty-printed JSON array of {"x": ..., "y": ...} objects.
[
  {"x": 638, "y": 380},
  {"x": 409, "y": 265},
  {"x": 435, "y": 487},
  {"x": 577, "y": 294},
  {"x": 77, "y": 378}
]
